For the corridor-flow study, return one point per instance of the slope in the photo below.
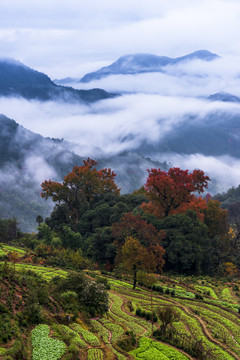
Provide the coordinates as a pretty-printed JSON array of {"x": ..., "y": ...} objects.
[{"x": 18, "y": 80}]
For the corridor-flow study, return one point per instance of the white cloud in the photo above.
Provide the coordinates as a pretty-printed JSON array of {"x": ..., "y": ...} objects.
[{"x": 54, "y": 35}]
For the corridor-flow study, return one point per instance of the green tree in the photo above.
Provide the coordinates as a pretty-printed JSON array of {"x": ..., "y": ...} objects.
[
  {"x": 167, "y": 315},
  {"x": 186, "y": 242}
]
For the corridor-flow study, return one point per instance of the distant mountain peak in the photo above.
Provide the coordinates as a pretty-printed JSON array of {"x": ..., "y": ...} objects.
[
  {"x": 225, "y": 97},
  {"x": 142, "y": 63},
  {"x": 17, "y": 79}
]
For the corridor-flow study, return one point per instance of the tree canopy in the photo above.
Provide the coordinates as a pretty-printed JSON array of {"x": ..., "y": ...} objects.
[
  {"x": 172, "y": 191},
  {"x": 84, "y": 184}
]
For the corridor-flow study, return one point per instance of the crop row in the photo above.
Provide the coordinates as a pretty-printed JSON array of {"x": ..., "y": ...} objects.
[
  {"x": 226, "y": 295},
  {"x": 116, "y": 330},
  {"x": 87, "y": 335},
  {"x": 206, "y": 289},
  {"x": 44, "y": 347},
  {"x": 221, "y": 333},
  {"x": 197, "y": 331},
  {"x": 104, "y": 333},
  {"x": 101, "y": 330},
  {"x": 149, "y": 349},
  {"x": 94, "y": 354},
  {"x": 131, "y": 322},
  {"x": 6, "y": 249},
  {"x": 225, "y": 304},
  {"x": 75, "y": 336},
  {"x": 222, "y": 320}
]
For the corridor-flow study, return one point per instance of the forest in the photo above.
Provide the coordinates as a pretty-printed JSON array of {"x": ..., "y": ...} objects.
[{"x": 149, "y": 275}]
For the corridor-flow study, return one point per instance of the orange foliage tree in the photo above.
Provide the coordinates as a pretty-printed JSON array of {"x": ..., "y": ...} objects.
[
  {"x": 135, "y": 257},
  {"x": 84, "y": 184},
  {"x": 138, "y": 245},
  {"x": 173, "y": 191}
]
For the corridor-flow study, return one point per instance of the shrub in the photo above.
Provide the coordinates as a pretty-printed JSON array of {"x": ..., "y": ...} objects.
[
  {"x": 128, "y": 342},
  {"x": 139, "y": 312},
  {"x": 130, "y": 305},
  {"x": 198, "y": 296}
]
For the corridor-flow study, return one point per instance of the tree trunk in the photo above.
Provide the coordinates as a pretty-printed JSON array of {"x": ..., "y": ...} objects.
[{"x": 134, "y": 276}]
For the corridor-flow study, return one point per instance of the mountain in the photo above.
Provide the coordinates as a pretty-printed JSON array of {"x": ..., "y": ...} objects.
[
  {"x": 143, "y": 63},
  {"x": 27, "y": 159},
  {"x": 16, "y": 80},
  {"x": 225, "y": 97},
  {"x": 214, "y": 134}
]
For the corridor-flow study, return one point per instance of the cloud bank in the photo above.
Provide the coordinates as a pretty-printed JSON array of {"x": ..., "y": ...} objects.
[{"x": 69, "y": 39}]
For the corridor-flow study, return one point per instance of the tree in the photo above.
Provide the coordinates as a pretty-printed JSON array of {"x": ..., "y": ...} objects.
[
  {"x": 92, "y": 297},
  {"x": 172, "y": 191},
  {"x": 85, "y": 184},
  {"x": 186, "y": 242},
  {"x": 136, "y": 257},
  {"x": 9, "y": 230},
  {"x": 216, "y": 219},
  {"x": 135, "y": 226},
  {"x": 39, "y": 220},
  {"x": 167, "y": 315}
]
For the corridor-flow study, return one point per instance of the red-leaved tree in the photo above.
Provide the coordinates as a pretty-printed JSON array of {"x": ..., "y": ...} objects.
[{"x": 172, "y": 191}]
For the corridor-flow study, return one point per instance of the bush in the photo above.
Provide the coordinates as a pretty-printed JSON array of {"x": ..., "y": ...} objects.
[
  {"x": 130, "y": 306},
  {"x": 103, "y": 281},
  {"x": 128, "y": 342},
  {"x": 148, "y": 316},
  {"x": 138, "y": 312}
]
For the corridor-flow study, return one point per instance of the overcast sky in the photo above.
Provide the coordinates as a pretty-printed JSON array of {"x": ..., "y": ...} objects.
[
  {"x": 72, "y": 37},
  {"x": 68, "y": 38}
]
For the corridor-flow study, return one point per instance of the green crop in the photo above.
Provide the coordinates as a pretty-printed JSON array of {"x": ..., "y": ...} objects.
[
  {"x": 44, "y": 347},
  {"x": 95, "y": 354},
  {"x": 153, "y": 350},
  {"x": 87, "y": 335}
]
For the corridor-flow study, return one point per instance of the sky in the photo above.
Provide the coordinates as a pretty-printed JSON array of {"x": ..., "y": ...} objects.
[
  {"x": 68, "y": 38},
  {"x": 71, "y": 38}
]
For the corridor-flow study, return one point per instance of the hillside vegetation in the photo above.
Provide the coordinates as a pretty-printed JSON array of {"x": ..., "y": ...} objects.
[
  {"x": 149, "y": 275},
  {"x": 41, "y": 318}
]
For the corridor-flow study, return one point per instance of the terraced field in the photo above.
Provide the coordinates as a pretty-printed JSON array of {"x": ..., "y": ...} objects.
[{"x": 209, "y": 326}]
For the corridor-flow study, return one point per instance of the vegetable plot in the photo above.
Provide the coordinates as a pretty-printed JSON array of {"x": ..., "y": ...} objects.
[{"x": 44, "y": 347}]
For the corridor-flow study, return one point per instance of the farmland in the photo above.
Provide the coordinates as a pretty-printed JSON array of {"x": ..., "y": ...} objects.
[{"x": 207, "y": 327}]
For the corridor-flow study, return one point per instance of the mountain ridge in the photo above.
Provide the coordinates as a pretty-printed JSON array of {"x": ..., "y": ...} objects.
[
  {"x": 142, "y": 63},
  {"x": 19, "y": 80}
]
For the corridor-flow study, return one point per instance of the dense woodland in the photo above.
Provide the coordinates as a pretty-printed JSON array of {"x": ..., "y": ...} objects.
[{"x": 168, "y": 219}]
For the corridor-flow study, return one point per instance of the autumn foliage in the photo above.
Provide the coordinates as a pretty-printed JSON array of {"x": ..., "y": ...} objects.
[
  {"x": 173, "y": 191},
  {"x": 84, "y": 184},
  {"x": 138, "y": 244},
  {"x": 135, "y": 257},
  {"x": 135, "y": 226}
]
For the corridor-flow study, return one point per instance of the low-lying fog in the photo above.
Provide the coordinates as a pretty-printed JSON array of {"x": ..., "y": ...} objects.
[{"x": 150, "y": 108}]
